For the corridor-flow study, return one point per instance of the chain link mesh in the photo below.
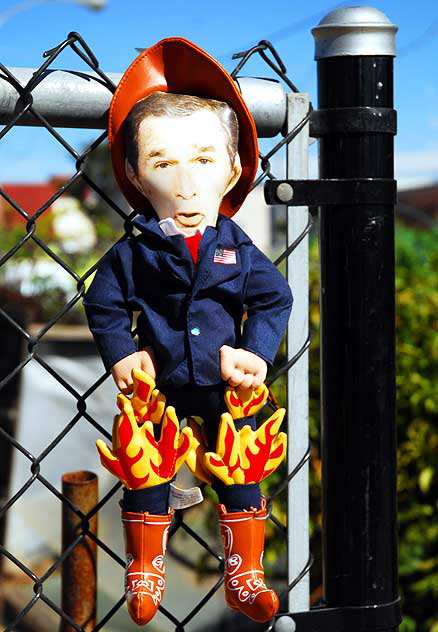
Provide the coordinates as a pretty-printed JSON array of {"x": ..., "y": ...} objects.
[{"x": 25, "y": 105}]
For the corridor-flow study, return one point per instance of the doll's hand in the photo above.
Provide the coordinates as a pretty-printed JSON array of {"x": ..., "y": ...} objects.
[
  {"x": 122, "y": 370},
  {"x": 241, "y": 368}
]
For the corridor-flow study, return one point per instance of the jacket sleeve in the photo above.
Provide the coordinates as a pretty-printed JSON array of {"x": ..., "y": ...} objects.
[
  {"x": 108, "y": 313},
  {"x": 269, "y": 302}
]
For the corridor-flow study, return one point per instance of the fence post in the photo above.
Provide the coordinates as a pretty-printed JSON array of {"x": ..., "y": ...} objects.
[
  {"x": 79, "y": 569},
  {"x": 354, "y": 52},
  {"x": 298, "y": 378}
]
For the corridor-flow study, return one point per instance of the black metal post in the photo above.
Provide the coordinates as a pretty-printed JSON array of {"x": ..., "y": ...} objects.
[{"x": 355, "y": 49}]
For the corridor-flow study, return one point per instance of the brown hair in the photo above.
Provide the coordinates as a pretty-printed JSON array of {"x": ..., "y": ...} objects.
[{"x": 177, "y": 105}]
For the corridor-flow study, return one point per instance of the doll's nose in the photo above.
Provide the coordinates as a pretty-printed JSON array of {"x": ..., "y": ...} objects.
[{"x": 185, "y": 186}]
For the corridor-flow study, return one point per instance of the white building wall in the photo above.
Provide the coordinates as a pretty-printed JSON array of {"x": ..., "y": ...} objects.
[{"x": 254, "y": 217}]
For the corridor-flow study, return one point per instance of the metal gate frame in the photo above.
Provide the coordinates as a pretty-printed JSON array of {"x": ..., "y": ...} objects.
[{"x": 355, "y": 126}]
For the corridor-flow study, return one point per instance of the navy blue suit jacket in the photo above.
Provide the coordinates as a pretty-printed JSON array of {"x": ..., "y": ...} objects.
[{"x": 187, "y": 312}]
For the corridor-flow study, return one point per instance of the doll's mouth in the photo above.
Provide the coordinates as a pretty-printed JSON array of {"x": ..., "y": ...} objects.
[{"x": 189, "y": 218}]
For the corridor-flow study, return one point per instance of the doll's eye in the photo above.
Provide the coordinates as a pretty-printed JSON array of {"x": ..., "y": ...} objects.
[
  {"x": 161, "y": 165},
  {"x": 204, "y": 161}
]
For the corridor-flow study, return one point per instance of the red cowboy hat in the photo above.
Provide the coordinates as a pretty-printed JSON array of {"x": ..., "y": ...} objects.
[{"x": 176, "y": 65}]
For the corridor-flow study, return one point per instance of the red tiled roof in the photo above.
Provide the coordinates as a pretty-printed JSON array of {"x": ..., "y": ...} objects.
[
  {"x": 30, "y": 197},
  {"x": 424, "y": 198}
]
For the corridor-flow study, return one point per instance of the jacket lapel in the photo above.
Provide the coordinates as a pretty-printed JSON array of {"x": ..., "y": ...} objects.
[{"x": 173, "y": 254}]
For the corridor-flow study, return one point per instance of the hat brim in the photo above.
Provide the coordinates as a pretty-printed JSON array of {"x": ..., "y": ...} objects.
[{"x": 179, "y": 66}]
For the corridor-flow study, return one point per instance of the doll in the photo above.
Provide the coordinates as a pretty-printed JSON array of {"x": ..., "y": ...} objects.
[{"x": 184, "y": 152}]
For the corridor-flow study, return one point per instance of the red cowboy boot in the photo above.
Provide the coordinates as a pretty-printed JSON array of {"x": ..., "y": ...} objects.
[
  {"x": 145, "y": 545},
  {"x": 243, "y": 535}
]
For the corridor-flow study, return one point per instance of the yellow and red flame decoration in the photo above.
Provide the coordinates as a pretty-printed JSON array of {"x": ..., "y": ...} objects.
[
  {"x": 137, "y": 458},
  {"x": 245, "y": 456},
  {"x": 246, "y": 402},
  {"x": 147, "y": 401}
]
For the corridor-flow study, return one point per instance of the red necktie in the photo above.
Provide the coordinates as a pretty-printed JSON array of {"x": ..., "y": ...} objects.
[{"x": 193, "y": 245}]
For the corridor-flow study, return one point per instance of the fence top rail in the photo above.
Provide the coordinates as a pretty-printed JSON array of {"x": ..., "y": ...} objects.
[{"x": 80, "y": 99}]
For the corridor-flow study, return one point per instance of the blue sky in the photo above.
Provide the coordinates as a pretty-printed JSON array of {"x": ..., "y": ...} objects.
[{"x": 30, "y": 155}]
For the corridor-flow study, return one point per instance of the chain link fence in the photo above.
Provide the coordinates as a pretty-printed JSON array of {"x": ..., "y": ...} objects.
[{"x": 33, "y": 340}]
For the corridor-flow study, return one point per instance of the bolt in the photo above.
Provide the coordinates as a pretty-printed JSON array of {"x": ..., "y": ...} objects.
[
  {"x": 285, "y": 192},
  {"x": 285, "y": 624}
]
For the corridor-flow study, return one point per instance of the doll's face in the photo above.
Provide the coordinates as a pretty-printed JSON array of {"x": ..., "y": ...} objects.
[{"x": 184, "y": 168}]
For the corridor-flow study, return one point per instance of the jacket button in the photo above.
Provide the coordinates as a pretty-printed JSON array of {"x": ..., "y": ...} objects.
[{"x": 195, "y": 331}]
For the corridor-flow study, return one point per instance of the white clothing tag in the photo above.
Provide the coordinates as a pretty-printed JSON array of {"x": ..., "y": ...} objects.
[{"x": 183, "y": 498}]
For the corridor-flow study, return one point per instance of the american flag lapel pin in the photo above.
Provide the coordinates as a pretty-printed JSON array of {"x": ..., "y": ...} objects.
[{"x": 223, "y": 255}]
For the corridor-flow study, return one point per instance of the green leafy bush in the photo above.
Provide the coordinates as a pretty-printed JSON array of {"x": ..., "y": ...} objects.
[
  {"x": 417, "y": 351},
  {"x": 417, "y": 403}
]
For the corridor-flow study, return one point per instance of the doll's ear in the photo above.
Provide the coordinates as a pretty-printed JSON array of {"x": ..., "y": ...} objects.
[
  {"x": 131, "y": 175},
  {"x": 235, "y": 174}
]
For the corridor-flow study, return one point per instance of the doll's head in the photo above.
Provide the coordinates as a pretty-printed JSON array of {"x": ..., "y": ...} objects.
[{"x": 181, "y": 154}]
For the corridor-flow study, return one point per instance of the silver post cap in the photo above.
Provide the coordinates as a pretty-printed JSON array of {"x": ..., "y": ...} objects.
[{"x": 354, "y": 31}]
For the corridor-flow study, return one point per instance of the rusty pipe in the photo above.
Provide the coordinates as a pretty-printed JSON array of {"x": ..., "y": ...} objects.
[{"x": 79, "y": 569}]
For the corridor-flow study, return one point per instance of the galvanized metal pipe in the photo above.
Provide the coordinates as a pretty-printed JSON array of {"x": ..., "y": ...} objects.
[
  {"x": 298, "y": 378},
  {"x": 79, "y": 570},
  {"x": 65, "y": 98},
  {"x": 267, "y": 103},
  {"x": 68, "y": 98}
]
